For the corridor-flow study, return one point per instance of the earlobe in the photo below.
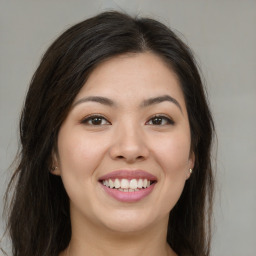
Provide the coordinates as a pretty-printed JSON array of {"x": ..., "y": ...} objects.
[
  {"x": 54, "y": 168},
  {"x": 192, "y": 160},
  {"x": 190, "y": 171},
  {"x": 191, "y": 164}
]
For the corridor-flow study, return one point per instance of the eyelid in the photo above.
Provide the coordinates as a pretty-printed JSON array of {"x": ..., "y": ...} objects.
[
  {"x": 85, "y": 119},
  {"x": 170, "y": 121}
]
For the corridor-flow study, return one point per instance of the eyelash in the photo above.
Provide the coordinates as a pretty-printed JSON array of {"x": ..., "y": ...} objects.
[
  {"x": 168, "y": 120},
  {"x": 88, "y": 119}
]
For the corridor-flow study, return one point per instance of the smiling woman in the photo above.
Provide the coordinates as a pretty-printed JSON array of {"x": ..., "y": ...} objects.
[{"x": 113, "y": 124}]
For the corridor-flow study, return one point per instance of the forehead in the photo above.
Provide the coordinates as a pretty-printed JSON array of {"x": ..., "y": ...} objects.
[{"x": 132, "y": 77}]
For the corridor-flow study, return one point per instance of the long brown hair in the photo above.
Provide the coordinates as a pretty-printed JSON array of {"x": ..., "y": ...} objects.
[{"x": 39, "y": 220}]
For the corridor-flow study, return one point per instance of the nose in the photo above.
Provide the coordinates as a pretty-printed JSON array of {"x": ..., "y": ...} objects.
[{"x": 129, "y": 144}]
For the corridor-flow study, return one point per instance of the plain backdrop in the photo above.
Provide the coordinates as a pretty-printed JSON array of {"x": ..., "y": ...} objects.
[{"x": 223, "y": 36}]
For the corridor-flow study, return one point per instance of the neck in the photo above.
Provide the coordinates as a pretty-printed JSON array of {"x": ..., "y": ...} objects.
[{"x": 93, "y": 240}]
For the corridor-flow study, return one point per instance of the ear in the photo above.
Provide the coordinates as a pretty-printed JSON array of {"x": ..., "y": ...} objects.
[
  {"x": 55, "y": 167},
  {"x": 192, "y": 160},
  {"x": 191, "y": 163}
]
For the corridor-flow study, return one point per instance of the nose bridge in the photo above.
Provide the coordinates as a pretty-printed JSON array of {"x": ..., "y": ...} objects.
[{"x": 129, "y": 141}]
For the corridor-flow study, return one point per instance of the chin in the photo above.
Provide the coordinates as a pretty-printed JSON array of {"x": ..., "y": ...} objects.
[
  {"x": 126, "y": 228},
  {"x": 128, "y": 221}
]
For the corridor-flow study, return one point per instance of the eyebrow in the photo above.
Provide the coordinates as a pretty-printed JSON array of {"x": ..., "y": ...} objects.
[
  {"x": 145, "y": 103},
  {"x": 160, "y": 99},
  {"x": 98, "y": 99}
]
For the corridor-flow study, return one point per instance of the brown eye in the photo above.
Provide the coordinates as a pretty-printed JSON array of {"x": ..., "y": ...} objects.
[
  {"x": 160, "y": 120},
  {"x": 95, "y": 120}
]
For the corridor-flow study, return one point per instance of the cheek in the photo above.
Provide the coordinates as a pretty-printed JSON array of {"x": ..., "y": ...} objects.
[
  {"x": 173, "y": 153},
  {"x": 173, "y": 157},
  {"x": 79, "y": 155}
]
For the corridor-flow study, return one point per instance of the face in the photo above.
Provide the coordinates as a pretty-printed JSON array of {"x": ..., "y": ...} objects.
[{"x": 124, "y": 148}]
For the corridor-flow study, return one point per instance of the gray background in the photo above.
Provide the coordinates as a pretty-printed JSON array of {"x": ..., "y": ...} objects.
[{"x": 223, "y": 36}]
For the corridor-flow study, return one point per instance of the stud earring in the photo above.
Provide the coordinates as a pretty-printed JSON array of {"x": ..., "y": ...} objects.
[
  {"x": 54, "y": 168},
  {"x": 190, "y": 170}
]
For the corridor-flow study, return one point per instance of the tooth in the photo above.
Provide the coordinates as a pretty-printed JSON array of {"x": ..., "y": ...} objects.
[
  {"x": 131, "y": 190},
  {"x": 136, "y": 189},
  {"x": 124, "y": 183},
  {"x": 117, "y": 183},
  {"x": 126, "y": 190},
  {"x": 133, "y": 183},
  {"x": 140, "y": 183},
  {"x": 145, "y": 183},
  {"x": 111, "y": 183},
  {"x": 148, "y": 183},
  {"x": 106, "y": 183},
  {"x": 120, "y": 189}
]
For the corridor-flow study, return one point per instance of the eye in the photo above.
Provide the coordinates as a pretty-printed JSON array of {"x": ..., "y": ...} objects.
[
  {"x": 160, "y": 120},
  {"x": 95, "y": 120}
]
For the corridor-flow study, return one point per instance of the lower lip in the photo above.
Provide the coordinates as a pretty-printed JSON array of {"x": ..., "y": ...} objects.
[{"x": 128, "y": 196}]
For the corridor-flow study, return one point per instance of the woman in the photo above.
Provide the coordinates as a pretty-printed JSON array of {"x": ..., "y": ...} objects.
[{"x": 115, "y": 146}]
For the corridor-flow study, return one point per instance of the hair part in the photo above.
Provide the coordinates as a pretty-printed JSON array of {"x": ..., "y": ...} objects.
[{"x": 39, "y": 220}]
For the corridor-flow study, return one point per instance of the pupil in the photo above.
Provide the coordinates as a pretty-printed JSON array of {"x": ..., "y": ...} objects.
[
  {"x": 157, "y": 120},
  {"x": 96, "y": 120}
]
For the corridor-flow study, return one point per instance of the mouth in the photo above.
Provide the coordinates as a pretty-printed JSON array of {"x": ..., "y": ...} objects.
[{"x": 128, "y": 186}]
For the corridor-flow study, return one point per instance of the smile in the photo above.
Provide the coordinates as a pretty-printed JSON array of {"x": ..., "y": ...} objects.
[{"x": 128, "y": 186}]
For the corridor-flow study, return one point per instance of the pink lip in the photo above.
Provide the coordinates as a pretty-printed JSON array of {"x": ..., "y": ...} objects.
[
  {"x": 128, "y": 174},
  {"x": 128, "y": 196}
]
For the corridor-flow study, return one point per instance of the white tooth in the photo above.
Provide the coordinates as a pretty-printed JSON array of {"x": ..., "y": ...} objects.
[
  {"x": 120, "y": 189},
  {"x": 137, "y": 189},
  {"x": 145, "y": 181},
  {"x": 140, "y": 183},
  {"x": 126, "y": 190},
  {"x": 124, "y": 183},
  {"x": 117, "y": 183},
  {"x": 148, "y": 183},
  {"x": 133, "y": 183},
  {"x": 111, "y": 183},
  {"x": 131, "y": 190},
  {"x": 106, "y": 183}
]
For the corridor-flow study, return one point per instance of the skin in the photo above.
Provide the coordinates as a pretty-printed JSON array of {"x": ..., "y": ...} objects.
[{"x": 127, "y": 137}]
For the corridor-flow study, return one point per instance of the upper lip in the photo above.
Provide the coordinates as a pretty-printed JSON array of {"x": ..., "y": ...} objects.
[{"x": 128, "y": 174}]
